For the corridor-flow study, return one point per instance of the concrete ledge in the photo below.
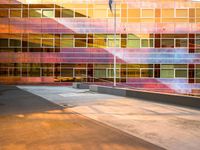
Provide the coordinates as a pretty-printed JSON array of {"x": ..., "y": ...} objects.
[
  {"x": 108, "y": 90},
  {"x": 79, "y": 85},
  {"x": 180, "y": 100}
]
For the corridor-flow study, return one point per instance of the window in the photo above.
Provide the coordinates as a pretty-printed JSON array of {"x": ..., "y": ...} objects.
[
  {"x": 80, "y": 13},
  {"x": 133, "y": 43},
  {"x": 4, "y": 13},
  {"x": 47, "y": 72},
  {"x": 35, "y": 13},
  {"x": 3, "y": 42},
  {"x": 101, "y": 43},
  {"x": 146, "y": 73},
  {"x": 80, "y": 42},
  {"x": 34, "y": 43},
  {"x": 197, "y": 43},
  {"x": 168, "y": 43},
  {"x": 15, "y": 42},
  {"x": 100, "y": 13},
  {"x": 181, "y": 13},
  {"x": 181, "y": 73},
  {"x": 198, "y": 12},
  {"x": 33, "y": 71},
  {"x": 100, "y": 73},
  {"x": 66, "y": 43},
  {"x": 66, "y": 72},
  {"x": 67, "y": 13},
  {"x": 147, "y": 13},
  {"x": 110, "y": 73},
  {"x": 47, "y": 42},
  {"x": 111, "y": 43},
  {"x": 167, "y": 73},
  {"x": 80, "y": 73},
  {"x": 48, "y": 13},
  {"x": 167, "y": 13},
  {"x": 146, "y": 42},
  {"x": 197, "y": 73},
  {"x": 15, "y": 13},
  {"x": 134, "y": 13},
  {"x": 181, "y": 43},
  {"x": 133, "y": 73}
]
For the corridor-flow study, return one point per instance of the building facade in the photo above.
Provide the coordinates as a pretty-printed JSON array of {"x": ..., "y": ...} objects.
[{"x": 56, "y": 41}]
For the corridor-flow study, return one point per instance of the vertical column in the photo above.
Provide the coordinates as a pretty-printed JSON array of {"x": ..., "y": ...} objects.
[
  {"x": 191, "y": 73},
  {"x": 157, "y": 70},
  {"x": 157, "y": 41},
  {"x": 191, "y": 43},
  {"x": 90, "y": 73}
]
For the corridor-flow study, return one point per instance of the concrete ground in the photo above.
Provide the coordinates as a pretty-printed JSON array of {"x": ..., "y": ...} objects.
[
  {"x": 171, "y": 127},
  {"x": 30, "y": 122}
]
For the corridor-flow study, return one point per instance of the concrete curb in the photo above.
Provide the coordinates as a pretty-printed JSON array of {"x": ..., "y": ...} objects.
[
  {"x": 180, "y": 100},
  {"x": 80, "y": 85}
]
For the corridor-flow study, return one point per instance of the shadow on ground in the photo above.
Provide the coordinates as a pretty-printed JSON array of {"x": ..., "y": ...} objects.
[
  {"x": 29, "y": 122},
  {"x": 16, "y": 101}
]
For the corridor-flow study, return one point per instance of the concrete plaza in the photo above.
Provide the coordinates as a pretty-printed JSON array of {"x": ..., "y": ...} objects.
[
  {"x": 30, "y": 122},
  {"x": 167, "y": 126}
]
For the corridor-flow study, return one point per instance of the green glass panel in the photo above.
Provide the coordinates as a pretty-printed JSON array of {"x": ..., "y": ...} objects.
[
  {"x": 167, "y": 73},
  {"x": 3, "y": 42},
  {"x": 80, "y": 43},
  {"x": 133, "y": 73},
  {"x": 110, "y": 73},
  {"x": 197, "y": 73},
  {"x": 133, "y": 36},
  {"x": 100, "y": 73},
  {"x": 67, "y": 13},
  {"x": 146, "y": 73},
  {"x": 48, "y": 13},
  {"x": 181, "y": 43},
  {"x": 66, "y": 43},
  {"x": 133, "y": 43},
  {"x": 181, "y": 73},
  {"x": 15, "y": 43},
  {"x": 35, "y": 13},
  {"x": 145, "y": 43},
  {"x": 111, "y": 43}
]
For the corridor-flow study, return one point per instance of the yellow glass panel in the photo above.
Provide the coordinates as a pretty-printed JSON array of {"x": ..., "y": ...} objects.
[
  {"x": 118, "y": 12},
  {"x": 68, "y": 6},
  {"x": 100, "y": 13},
  {"x": 35, "y": 13},
  {"x": 133, "y": 19},
  {"x": 147, "y": 13},
  {"x": 90, "y": 12},
  {"x": 47, "y": 42},
  {"x": 134, "y": 13},
  {"x": 15, "y": 13},
  {"x": 181, "y": 20},
  {"x": 181, "y": 13},
  {"x": 124, "y": 12},
  {"x": 80, "y": 13},
  {"x": 66, "y": 42},
  {"x": 147, "y": 20},
  {"x": 167, "y": 19},
  {"x": 198, "y": 12},
  {"x": 167, "y": 13},
  {"x": 101, "y": 43},
  {"x": 100, "y": 6}
]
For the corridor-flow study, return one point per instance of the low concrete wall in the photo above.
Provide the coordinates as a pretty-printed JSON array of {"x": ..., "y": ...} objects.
[
  {"x": 79, "y": 85},
  {"x": 108, "y": 90},
  {"x": 180, "y": 100}
]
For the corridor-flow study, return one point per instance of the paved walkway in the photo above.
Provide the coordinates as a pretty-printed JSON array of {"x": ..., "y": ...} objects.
[
  {"x": 30, "y": 122},
  {"x": 171, "y": 127}
]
